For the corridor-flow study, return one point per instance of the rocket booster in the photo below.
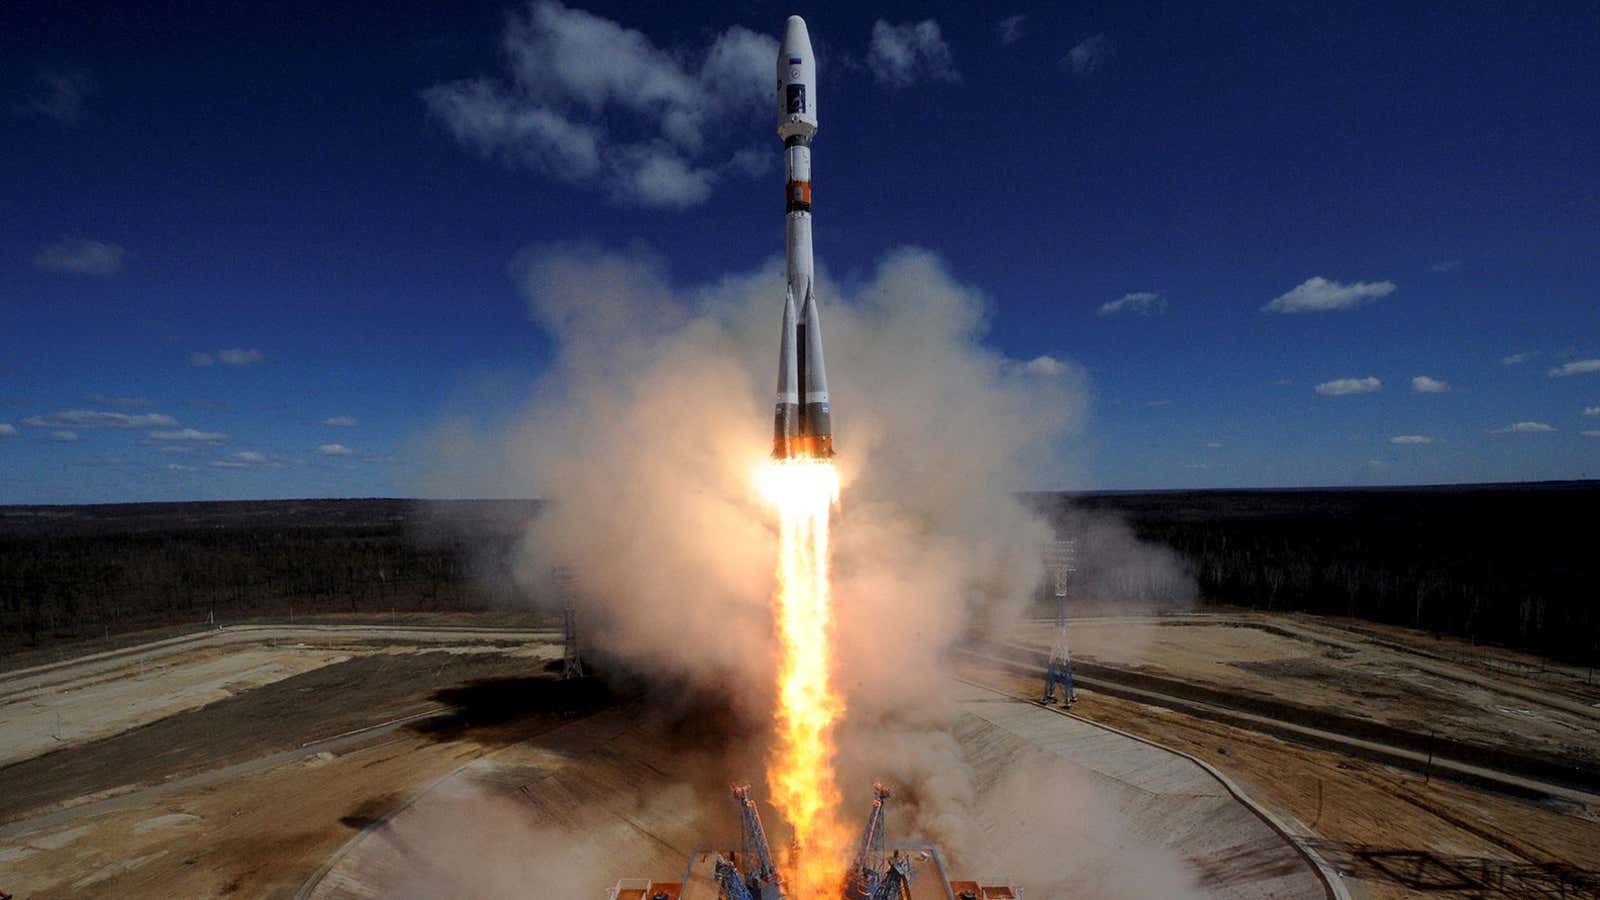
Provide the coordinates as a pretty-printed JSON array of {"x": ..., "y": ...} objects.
[{"x": 802, "y": 426}]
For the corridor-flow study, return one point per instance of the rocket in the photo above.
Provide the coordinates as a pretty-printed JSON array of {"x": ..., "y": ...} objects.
[{"x": 802, "y": 427}]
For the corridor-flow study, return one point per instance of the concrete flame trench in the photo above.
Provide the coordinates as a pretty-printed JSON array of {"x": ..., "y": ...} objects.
[{"x": 604, "y": 806}]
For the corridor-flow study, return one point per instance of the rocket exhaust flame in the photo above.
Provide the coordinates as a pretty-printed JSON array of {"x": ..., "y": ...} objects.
[{"x": 800, "y": 773}]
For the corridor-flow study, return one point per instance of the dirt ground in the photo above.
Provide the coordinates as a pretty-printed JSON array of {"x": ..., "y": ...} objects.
[
  {"x": 1406, "y": 680},
  {"x": 249, "y": 793},
  {"x": 241, "y": 771}
]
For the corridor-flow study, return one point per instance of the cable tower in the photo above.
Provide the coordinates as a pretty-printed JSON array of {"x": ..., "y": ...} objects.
[
  {"x": 867, "y": 869},
  {"x": 566, "y": 586},
  {"x": 1061, "y": 556}
]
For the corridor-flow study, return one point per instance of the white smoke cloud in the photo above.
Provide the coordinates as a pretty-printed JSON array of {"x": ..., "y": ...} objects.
[{"x": 651, "y": 426}]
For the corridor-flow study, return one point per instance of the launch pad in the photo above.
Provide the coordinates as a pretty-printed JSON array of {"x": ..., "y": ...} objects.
[
  {"x": 928, "y": 881},
  {"x": 878, "y": 871}
]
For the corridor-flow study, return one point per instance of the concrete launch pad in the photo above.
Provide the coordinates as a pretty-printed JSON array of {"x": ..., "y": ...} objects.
[{"x": 1059, "y": 806}]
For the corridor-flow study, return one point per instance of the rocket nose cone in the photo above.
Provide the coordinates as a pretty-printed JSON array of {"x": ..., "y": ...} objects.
[{"x": 796, "y": 39}]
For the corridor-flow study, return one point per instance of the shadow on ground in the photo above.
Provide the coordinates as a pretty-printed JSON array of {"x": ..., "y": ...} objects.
[{"x": 501, "y": 711}]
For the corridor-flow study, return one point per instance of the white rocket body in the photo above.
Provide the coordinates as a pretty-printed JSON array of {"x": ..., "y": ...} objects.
[{"x": 802, "y": 426}]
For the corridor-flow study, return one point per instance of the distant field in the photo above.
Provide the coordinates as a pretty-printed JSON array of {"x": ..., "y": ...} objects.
[{"x": 1513, "y": 565}]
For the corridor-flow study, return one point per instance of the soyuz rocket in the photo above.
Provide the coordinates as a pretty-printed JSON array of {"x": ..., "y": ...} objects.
[{"x": 801, "y": 428}]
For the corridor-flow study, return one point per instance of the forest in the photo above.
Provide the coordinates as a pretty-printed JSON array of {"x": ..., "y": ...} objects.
[{"x": 1513, "y": 565}]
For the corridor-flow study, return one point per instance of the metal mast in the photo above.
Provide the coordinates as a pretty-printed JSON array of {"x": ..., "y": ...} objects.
[
  {"x": 896, "y": 884},
  {"x": 764, "y": 876},
  {"x": 866, "y": 870},
  {"x": 1061, "y": 556},
  {"x": 566, "y": 585}
]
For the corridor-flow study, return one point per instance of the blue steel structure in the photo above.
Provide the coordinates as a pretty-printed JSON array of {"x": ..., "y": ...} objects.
[
  {"x": 866, "y": 870},
  {"x": 732, "y": 884},
  {"x": 763, "y": 880},
  {"x": 896, "y": 883}
]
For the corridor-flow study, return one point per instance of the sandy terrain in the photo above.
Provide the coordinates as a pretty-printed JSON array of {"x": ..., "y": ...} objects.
[{"x": 1312, "y": 663}]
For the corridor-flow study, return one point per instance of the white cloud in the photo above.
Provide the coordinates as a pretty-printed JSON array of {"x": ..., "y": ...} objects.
[
  {"x": 59, "y": 95},
  {"x": 1214, "y": 445},
  {"x": 1158, "y": 403},
  {"x": 96, "y": 418},
  {"x": 1044, "y": 365},
  {"x": 1318, "y": 294},
  {"x": 1422, "y": 384},
  {"x": 340, "y": 421},
  {"x": 334, "y": 450},
  {"x": 1089, "y": 55},
  {"x": 1341, "y": 386},
  {"x": 1522, "y": 427},
  {"x": 201, "y": 360},
  {"x": 1144, "y": 303},
  {"x": 246, "y": 459},
  {"x": 7, "y": 430},
  {"x": 1517, "y": 359},
  {"x": 186, "y": 435},
  {"x": 1576, "y": 367},
  {"x": 1411, "y": 439},
  {"x": 78, "y": 256},
  {"x": 1010, "y": 28},
  {"x": 1591, "y": 432},
  {"x": 240, "y": 356},
  {"x": 901, "y": 55},
  {"x": 176, "y": 449},
  {"x": 176, "y": 467},
  {"x": 1445, "y": 265},
  {"x": 63, "y": 437},
  {"x": 589, "y": 102},
  {"x": 1591, "y": 410}
]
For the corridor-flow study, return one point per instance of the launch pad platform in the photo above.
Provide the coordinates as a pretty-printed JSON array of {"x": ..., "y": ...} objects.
[{"x": 929, "y": 880}]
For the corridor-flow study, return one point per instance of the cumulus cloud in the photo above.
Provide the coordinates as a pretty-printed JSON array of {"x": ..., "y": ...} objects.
[
  {"x": 340, "y": 421},
  {"x": 1422, "y": 384},
  {"x": 1411, "y": 439},
  {"x": 901, "y": 55},
  {"x": 246, "y": 459},
  {"x": 59, "y": 94},
  {"x": 1591, "y": 410},
  {"x": 1318, "y": 294},
  {"x": 63, "y": 437},
  {"x": 334, "y": 450},
  {"x": 1010, "y": 28},
  {"x": 1143, "y": 303},
  {"x": 1341, "y": 386},
  {"x": 95, "y": 418},
  {"x": 1517, "y": 427},
  {"x": 186, "y": 436},
  {"x": 80, "y": 256},
  {"x": 240, "y": 356},
  {"x": 1445, "y": 265},
  {"x": 1089, "y": 55},
  {"x": 590, "y": 102},
  {"x": 1576, "y": 367},
  {"x": 1517, "y": 359},
  {"x": 7, "y": 430}
]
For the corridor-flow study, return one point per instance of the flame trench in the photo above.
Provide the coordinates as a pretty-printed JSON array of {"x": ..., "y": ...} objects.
[{"x": 800, "y": 773}]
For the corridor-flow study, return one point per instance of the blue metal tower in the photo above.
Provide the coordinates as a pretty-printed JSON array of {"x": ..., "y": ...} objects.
[{"x": 866, "y": 870}]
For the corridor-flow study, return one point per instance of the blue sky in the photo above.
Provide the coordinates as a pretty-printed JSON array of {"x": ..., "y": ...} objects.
[{"x": 325, "y": 204}]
